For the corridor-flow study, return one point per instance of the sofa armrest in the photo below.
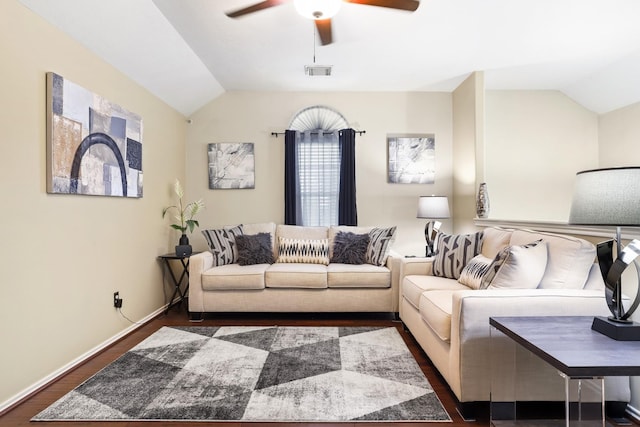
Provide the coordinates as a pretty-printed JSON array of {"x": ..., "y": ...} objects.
[
  {"x": 471, "y": 349},
  {"x": 198, "y": 264},
  {"x": 393, "y": 264},
  {"x": 420, "y": 266}
]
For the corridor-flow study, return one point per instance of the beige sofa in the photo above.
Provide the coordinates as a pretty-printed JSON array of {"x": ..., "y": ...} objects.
[
  {"x": 450, "y": 320},
  {"x": 295, "y": 285}
]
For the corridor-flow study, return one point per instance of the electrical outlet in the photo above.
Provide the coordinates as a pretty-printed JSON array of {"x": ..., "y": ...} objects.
[{"x": 117, "y": 301}]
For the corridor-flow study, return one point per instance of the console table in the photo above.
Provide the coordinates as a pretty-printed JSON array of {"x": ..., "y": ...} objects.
[{"x": 569, "y": 345}]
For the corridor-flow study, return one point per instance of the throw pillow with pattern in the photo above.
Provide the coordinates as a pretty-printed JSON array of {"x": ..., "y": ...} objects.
[
  {"x": 222, "y": 244},
  {"x": 380, "y": 241},
  {"x": 309, "y": 251},
  {"x": 350, "y": 248},
  {"x": 473, "y": 273},
  {"x": 453, "y": 252},
  {"x": 254, "y": 249}
]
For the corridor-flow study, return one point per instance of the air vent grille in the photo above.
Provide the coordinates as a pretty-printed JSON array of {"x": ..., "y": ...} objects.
[{"x": 317, "y": 70}]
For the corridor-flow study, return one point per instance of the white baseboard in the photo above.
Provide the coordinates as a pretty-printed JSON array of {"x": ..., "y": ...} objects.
[
  {"x": 634, "y": 413},
  {"x": 76, "y": 362}
]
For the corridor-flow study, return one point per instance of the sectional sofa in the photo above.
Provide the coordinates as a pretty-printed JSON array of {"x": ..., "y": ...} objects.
[
  {"x": 446, "y": 302},
  {"x": 283, "y": 268}
]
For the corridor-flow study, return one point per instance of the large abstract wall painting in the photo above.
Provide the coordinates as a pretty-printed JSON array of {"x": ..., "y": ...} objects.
[
  {"x": 231, "y": 165},
  {"x": 412, "y": 159},
  {"x": 94, "y": 147}
]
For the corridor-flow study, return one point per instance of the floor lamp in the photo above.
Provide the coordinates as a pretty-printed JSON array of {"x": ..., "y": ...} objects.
[
  {"x": 611, "y": 197},
  {"x": 432, "y": 207}
]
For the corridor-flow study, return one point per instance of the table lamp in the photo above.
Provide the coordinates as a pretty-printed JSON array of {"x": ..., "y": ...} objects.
[
  {"x": 611, "y": 197},
  {"x": 432, "y": 207}
]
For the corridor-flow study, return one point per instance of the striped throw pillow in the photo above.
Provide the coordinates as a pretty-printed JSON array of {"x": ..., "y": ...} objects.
[
  {"x": 309, "y": 251},
  {"x": 380, "y": 241},
  {"x": 222, "y": 244},
  {"x": 454, "y": 252},
  {"x": 474, "y": 271}
]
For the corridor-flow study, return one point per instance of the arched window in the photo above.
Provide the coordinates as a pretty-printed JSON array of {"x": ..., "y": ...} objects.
[{"x": 318, "y": 170}]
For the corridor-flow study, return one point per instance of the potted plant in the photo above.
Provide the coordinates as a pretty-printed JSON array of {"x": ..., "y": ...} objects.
[{"x": 184, "y": 217}]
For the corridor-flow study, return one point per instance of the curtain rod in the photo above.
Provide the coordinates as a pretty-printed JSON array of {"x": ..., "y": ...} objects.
[{"x": 276, "y": 134}]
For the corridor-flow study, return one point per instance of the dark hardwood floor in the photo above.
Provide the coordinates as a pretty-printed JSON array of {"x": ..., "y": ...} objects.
[{"x": 22, "y": 413}]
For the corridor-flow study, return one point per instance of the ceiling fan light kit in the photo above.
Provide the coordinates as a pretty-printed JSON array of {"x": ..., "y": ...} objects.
[
  {"x": 321, "y": 11},
  {"x": 317, "y": 9}
]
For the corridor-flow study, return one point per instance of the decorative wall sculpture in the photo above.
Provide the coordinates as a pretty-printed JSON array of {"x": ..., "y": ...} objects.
[
  {"x": 231, "y": 165},
  {"x": 412, "y": 159},
  {"x": 94, "y": 147}
]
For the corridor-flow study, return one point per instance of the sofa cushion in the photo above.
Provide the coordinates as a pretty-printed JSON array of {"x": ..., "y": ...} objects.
[
  {"x": 254, "y": 249},
  {"x": 358, "y": 276},
  {"x": 454, "y": 252},
  {"x": 413, "y": 286},
  {"x": 569, "y": 260},
  {"x": 475, "y": 270},
  {"x": 234, "y": 276},
  {"x": 517, "y": 267},
  {"x": 222, "y": 244},
  {"x": 380, "y": 241},
  {"x": 435, "y": 310},
  {"x": 350, "y": 248},
  {"x": 294, "y": 275},
  {"x": 494, "y": 239},
  {"x": 310, "y": 251}
]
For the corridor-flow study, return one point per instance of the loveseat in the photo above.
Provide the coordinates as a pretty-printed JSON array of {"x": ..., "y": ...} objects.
[
  {"x": 446, "y": 302},
  {"x": 284, "y": 268}
]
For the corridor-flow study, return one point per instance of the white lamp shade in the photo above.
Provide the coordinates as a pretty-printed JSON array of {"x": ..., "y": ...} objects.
[
  {"x": 607, "y": 197},
  {"x": 317, "y": 9},
  {"x": 433, "y": 207}
]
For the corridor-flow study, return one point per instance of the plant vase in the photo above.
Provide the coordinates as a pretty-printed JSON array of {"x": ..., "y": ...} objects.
[
  {"x": 482, "y": 201},
  {"x": 183, "y": 248}
]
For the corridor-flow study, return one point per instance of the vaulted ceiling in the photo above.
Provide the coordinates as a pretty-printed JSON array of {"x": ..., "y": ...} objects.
[{"x": 188, "y": 52}]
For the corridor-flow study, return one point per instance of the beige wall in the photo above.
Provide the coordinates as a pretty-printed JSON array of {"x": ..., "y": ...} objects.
[
  {"x": 252, "y": 116},
  {"x": 64, "y": 256},
  {"x": 536, "y": 141},
  {"x": 619, "y": 136},
  {"x": 468, "y": 150}
]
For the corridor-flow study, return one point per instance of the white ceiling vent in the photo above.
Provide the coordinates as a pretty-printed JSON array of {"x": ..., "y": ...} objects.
[{"x": 317, "y": 70}]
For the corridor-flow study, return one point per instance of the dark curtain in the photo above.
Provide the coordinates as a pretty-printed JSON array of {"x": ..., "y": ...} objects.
[
  {"x": 290, "y": 177},
  {"x": 347, "y": 210}
]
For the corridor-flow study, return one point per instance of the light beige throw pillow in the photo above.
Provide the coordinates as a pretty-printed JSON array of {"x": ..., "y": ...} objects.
[{"x": 517, "y": 267}]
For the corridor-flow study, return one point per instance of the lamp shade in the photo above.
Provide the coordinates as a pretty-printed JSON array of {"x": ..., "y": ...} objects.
[
  {"x": 607, "y": 197},
  {"x": 433, "y": 207}
]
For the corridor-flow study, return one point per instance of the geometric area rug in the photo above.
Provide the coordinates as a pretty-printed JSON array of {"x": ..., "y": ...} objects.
[{"x": 268, "y": 374}]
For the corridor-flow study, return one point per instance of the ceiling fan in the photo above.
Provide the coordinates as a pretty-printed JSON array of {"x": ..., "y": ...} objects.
[{"x": 321, "y": 11}]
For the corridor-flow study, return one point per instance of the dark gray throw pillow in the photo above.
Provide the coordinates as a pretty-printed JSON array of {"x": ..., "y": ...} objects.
[
  {"x": 350, "y": 248},
  {"x": 254, "y": 249}
]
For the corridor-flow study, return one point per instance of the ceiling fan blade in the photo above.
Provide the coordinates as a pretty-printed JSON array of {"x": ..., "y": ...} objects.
[
  {"x": 410, "y": 5},
  {"x": 255, "y": 8},
  {"x": 324, "y": 31}
]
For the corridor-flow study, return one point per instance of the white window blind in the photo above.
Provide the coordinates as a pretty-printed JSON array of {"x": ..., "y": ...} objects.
[{"x": 318, "y": 162}]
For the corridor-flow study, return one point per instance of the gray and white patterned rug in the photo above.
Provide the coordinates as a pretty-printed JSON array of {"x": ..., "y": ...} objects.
[{"x": 258, "y": 374}]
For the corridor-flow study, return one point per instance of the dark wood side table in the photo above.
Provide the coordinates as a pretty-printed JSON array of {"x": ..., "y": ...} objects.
[
  {"x": 166, "y": 260},
  {"x": 568, "y": 344}
]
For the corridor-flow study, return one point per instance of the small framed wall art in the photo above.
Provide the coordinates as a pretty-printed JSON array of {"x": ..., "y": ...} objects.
[
  {"x": 231, "y": 165},
  {"x": 94, "y": 147},
  {"x": 412, "y": 159}
]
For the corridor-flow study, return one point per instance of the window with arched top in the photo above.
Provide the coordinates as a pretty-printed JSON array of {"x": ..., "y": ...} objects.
[{"x": 320, "y": 169}]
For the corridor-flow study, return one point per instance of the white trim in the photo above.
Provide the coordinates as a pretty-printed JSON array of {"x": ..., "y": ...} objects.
[
  {"x": 560, "y": 227},
  {"x": 76, "y": 362},
  {"x": 634, "y": 413}
]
